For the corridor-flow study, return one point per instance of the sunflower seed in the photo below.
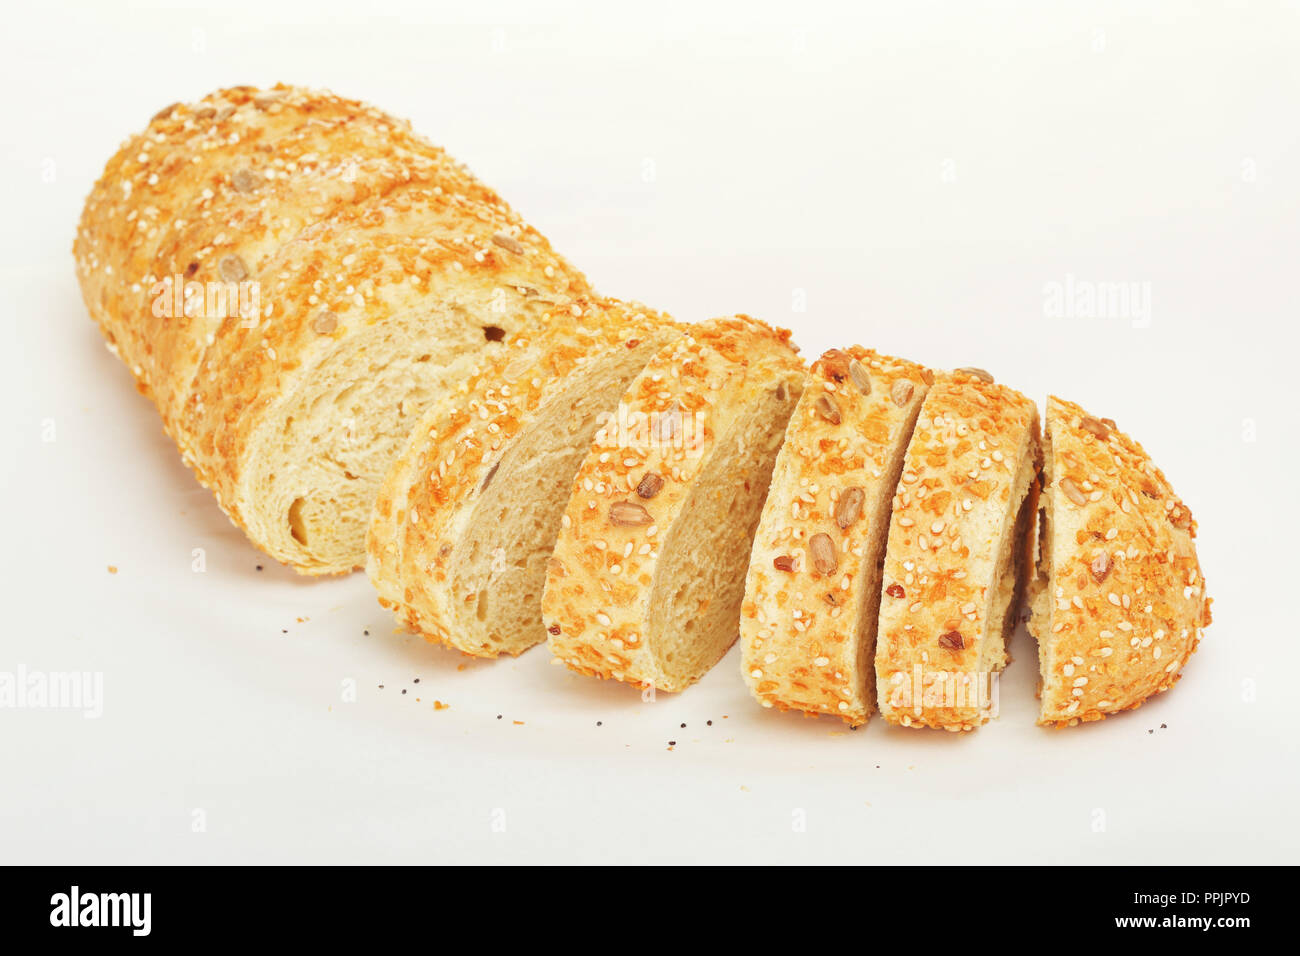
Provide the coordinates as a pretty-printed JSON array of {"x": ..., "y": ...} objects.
[
  {"x": 232, "y": 269},
  {"x": 860, "y": 377},
  {"x": 509, "y": 242},
  {"x": 849, "y": 508},
  {"x": 1073, "y": 492},
  {"x": 628, "y": 514},
  {"x": 1089, "y": 424},
  {"x": 325, "y": 323},
  {"x": 827, "y": 408},
  {"x": 952, "y": 640},
  {"x": 901, "y": 393},
  {"x": 822, "y": 551},
  {"x": 649, "y": 485},
  {"x": 245, "y": 181}
]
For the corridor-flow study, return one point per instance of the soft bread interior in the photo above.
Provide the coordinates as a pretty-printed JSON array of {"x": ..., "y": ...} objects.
[
  {"x": 317, "y": 463},
  {"x": 499, "y": 564},
  {"x": 699, "y": 581}
]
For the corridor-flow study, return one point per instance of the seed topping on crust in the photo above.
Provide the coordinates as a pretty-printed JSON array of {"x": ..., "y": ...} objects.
[
  {"x": 649, "y": 485},
  {"x": 628, "y": 514},
  {"x": 849, "y": 508}
]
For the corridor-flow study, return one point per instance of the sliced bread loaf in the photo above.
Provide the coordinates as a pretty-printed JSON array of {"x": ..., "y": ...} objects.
[
  {"x": 648, "y": 574},
  {"x": 1118, "y": 602},
  {"x": 467, "y": 518},
  {"x": 381, "y": 270},
  {"x": 808, "y": 625},
  {"x": 959, "y": 546}
]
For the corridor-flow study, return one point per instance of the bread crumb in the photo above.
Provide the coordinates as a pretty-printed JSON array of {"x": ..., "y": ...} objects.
[{"x": 112, "y": 569}]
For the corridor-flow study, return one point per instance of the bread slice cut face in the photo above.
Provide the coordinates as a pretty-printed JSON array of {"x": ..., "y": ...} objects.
[
  {"x": 467, "y": 518},
  {"x": 646, "y": 582},
  {"x": 959, "y": 549},
  {"x": 808, "y": 625},
  {"x": 1118, "y": 601}
]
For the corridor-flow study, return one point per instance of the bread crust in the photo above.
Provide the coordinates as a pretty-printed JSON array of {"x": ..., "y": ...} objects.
[
  {"x": 345, "y": 220},
  {"x": 597, "y": 604},
  {"x": 946, "y": 536},
  {"x": 427, "y": 503},
  {"x": 803, "y": 630},
  {"x": 1120, "y": 608}
]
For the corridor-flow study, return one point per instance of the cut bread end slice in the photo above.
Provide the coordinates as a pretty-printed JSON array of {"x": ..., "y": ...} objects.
[
  {"x": 959, "y": 549},
  {"x": 1118, "y": 601},
  {"x": 467, "y": 518},
  {"x": 296, "y": 415},
  {"x": 648, "y": 574},
  {"x": 808, "y": 625}
]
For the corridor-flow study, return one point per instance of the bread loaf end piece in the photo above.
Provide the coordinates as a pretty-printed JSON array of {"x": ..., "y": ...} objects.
[
  {"x": 648, "y": 574},
  {"x": 959, "y": 549},
  {"x": 463, "y": 529},
  {"x": 808, "y": 625},
  {"x": 1118, "y": 602},
  {"x": 381, "y": 272}
]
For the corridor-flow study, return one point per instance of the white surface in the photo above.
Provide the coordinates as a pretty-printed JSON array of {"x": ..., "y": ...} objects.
[{"x": 920, "y": 173}]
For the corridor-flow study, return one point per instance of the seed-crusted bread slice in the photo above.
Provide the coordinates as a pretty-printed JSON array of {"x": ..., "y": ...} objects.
[
  {"x": 648, "y": 574},
  {"x": 381, "y": 269},
  {"x": 808, "y": 625},
  {"x": 465, "y": 523},
  {"x": 959, "y": 546},
  {"x": 1118, "y": 602}
]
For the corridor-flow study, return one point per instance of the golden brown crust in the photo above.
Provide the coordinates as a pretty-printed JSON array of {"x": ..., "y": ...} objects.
[
  {"x": 803, "y": 625},
  {"x": 597, "y": 604},
  {"x": 455, "y": 450},
  {"x": 1125, "y": 604},
  {"x": 946, "y": 531},
  {"x": 329, "y": 205}
]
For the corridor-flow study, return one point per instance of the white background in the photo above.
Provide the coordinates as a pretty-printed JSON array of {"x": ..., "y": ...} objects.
[{"x": 915, "y": 176}]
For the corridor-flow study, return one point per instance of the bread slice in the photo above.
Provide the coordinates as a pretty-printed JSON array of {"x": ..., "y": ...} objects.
[
  {"x": 384, "y": 273},
  {"x": 808, "y": 625},
  {"x": 467, "y": 519},
  {"x": 648, "y": 574},
  {"x": 1119, "y": 601},
  {"x": 960, "y": 543}
]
